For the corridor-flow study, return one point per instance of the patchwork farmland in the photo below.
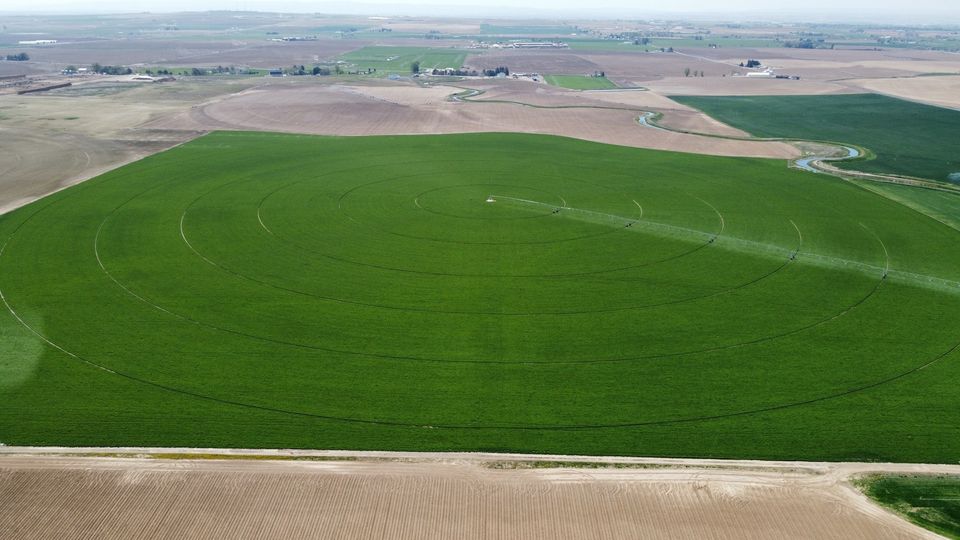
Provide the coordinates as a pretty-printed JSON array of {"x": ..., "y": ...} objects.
[{"x": 345, "y": 301}]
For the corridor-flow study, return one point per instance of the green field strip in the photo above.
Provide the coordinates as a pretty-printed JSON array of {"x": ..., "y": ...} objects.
[
  {"x": 930, "y": 501},
  {"x": 908, "y": 138},
  {"x": 580, "y": 82}
]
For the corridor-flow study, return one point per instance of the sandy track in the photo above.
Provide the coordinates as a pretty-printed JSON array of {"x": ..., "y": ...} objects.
[
  {"x": 385, "y": 110},
  {"x": 383, "y": 495}
]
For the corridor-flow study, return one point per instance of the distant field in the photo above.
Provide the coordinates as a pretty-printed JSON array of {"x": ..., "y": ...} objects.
[
  {"x": 658, "y": 43},
  {"x": 932, "y": 502},
  {"x": 399, "y": 59},
  {"x": 522, "y": 30},
  {"x": 579, "y": 82},
  {"x": 909, "y": 138},
  {"x": 267, "y": 290}
]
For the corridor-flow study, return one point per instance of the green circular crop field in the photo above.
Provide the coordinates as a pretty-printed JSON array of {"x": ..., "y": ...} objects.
[{"x": 479, "y": 292}]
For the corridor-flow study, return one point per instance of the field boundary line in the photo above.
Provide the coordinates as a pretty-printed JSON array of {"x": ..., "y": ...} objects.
[{"x": 651, "y": 119}]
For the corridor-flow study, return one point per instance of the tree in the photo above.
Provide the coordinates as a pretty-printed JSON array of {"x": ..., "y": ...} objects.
[
  {"x": 21, "y": 57},
  {"x": 415, "y": 67},
  {"x": 686, "y": 72}
]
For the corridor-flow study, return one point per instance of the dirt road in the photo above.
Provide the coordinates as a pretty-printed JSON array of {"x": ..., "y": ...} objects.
[{"x": 59, "y": 493}]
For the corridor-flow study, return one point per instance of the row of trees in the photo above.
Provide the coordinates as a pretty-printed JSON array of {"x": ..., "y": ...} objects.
[
  {"x": 110, "y": 70},
  {"x": 807, "y": 43},
  {"x": 324, "y": 71},
  {"x": 455, "y": 72},
  {"x": 688, "y": 73},
  {"x": 496, "y": 71},
  {"x": 21, "y": 57}
]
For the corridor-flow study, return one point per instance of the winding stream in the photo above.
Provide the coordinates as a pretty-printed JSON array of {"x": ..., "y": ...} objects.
[{"x": 806, "y": 163}]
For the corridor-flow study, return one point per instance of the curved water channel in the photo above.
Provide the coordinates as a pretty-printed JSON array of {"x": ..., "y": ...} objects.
[{"x": 806, "y": 163}]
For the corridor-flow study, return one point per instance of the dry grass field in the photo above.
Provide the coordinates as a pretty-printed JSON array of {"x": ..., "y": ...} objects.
[{"x": 439, "y": 496}]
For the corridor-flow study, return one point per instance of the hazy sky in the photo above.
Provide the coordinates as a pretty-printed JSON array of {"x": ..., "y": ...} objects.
[{"x": 933, "y": 11}]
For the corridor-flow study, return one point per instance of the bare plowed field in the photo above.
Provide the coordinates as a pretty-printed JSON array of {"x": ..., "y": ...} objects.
[
  {"x": 358, "y": 110},
  {"x": 743, "y": 86},
  {"x": 37, "y": 165},
  {"x": 55, "y": 139},
  {"x": 67, "y": 497},
  {"x": 529, "y": 61},
  {"x": 943, "y": 91},
  {"x": 256, "y": 53}
]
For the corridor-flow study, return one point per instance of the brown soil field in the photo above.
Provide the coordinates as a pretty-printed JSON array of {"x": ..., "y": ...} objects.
[
  {"x": 841, "y": 55},
  {"x": 533, "y": 61},
  {"x": 638, "y": 68},
  {"x": 426, "y": 25},
  {"x": 58, "y": 138},
  {"x": 743, "y": 86},
  {"x": 675, "y": 115},
  {"x": 18, "y": 68},
  {"x": 942, "y": 91},
  {"x": 817, "y": 66},
  {"x": 373, "y": 110},
  {"x": 262, "y": 53},
  {"x": 271, "y": 54},
  {"x": 432, "y": 496},
  {"x": 821, "y": 71}
]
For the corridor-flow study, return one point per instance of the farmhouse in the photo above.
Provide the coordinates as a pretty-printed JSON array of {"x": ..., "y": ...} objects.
[
  {"x": 539, "y": 45},
  {"x": 765, "y": 74}
]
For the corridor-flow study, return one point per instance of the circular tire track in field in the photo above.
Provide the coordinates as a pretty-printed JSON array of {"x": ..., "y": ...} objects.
[
  {"x": 271, "y": 231},
  {"x": 528, "y": 427},
  {"x": 454, "y": 426},
  {"x": 511, "y": 362}
]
